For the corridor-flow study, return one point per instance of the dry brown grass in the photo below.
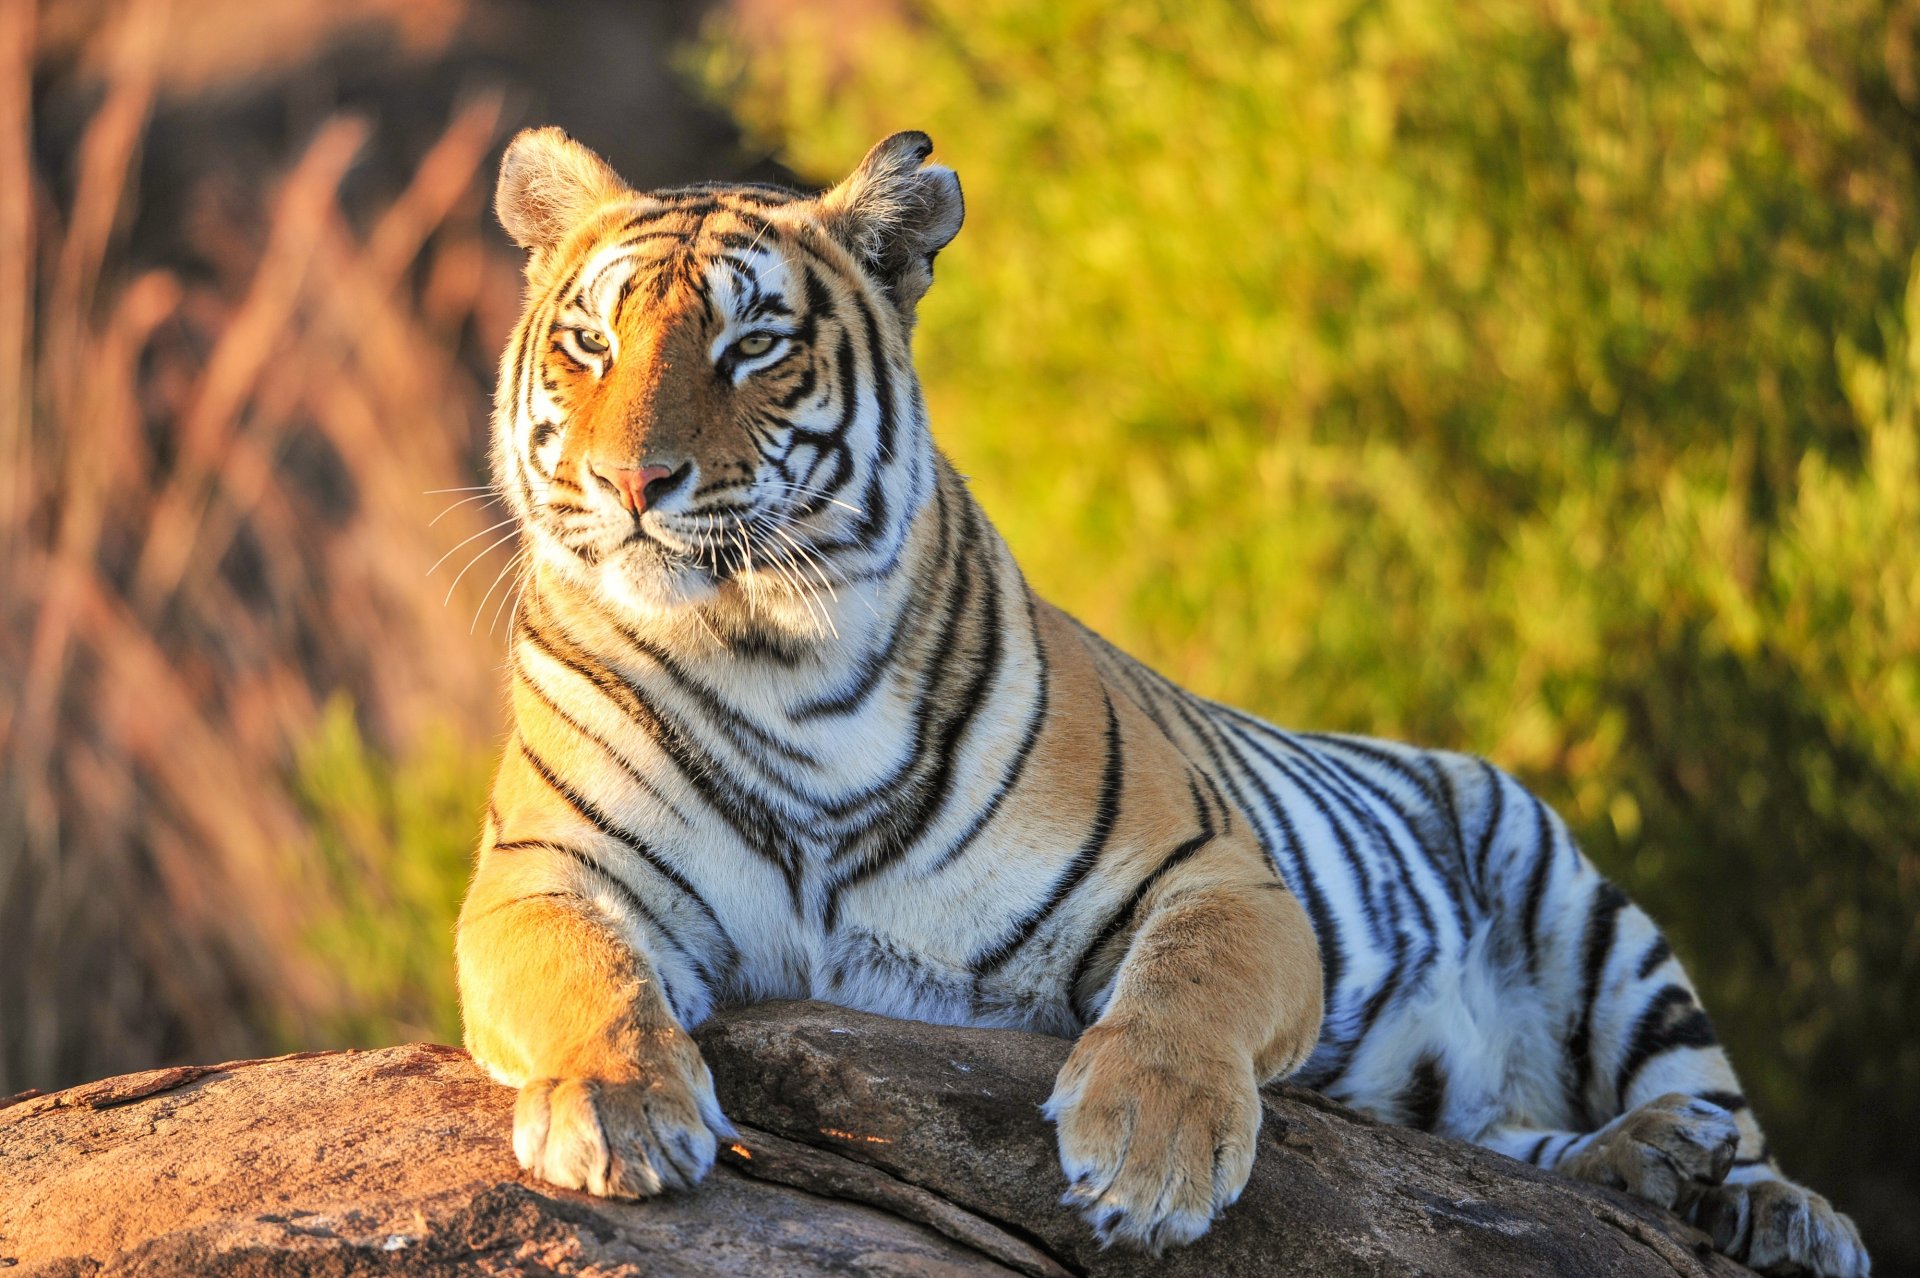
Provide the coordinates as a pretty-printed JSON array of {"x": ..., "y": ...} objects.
[{"x": 217, "y": 504}]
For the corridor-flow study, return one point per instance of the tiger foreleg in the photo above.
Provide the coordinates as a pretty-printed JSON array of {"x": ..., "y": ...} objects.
[
  {"x": 614, "y": 1096},
  {"x": 1158, "y": 1106}
]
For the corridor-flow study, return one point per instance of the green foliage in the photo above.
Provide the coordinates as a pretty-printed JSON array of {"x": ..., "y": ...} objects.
[
  {"x": 395, "y": 839},
  {"x": 1525, "y": 377}
]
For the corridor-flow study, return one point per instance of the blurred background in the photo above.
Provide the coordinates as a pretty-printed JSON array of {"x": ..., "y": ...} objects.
[{"x": 1539, "y": 378}]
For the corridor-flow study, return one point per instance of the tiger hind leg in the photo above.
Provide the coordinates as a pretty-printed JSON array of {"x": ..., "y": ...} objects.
[
  {"x": 1678, "y": 1152},
  {"x": 1622, "y": 1081},
  {"x": 1670, "y": 1151},
  {"x": 1759, "y": 1217},
  {"x": 1668, "y": 1122}
]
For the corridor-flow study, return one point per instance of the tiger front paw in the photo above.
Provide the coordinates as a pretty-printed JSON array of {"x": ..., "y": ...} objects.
[
  {"x": 1155, "y": 1142},
  {"x": 653, "y": 1129}
]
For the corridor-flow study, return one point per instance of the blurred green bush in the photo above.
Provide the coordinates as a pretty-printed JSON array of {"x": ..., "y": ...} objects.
[
  {"x": 1525, "y": 376},
  {"x": 393, "y": 843}
]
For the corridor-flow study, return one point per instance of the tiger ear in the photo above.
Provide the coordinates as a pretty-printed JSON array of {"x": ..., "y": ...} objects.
[
  {"x": 548, "y": 185},
  {"x": 893, "y": 215}
]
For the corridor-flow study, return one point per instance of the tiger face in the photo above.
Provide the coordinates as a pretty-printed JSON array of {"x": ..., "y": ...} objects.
[{"x": 706, "y": 404}]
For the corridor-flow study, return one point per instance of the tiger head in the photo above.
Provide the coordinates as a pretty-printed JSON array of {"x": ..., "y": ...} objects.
[{"x": 709, "y": 401}]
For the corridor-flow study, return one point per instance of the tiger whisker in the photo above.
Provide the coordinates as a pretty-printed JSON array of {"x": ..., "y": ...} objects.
[
  {"x": 798, "y": 588},
  {"x": 476, "y": 559},
  {"x": 456, "y": 505},
  {"x": 477, "y": 536},
  {"x": 511, "y": 610},
  {"x": 498, "y": 577},
  {"x": 711, "y": 634},
  {"x": 819, "y": 568},
  {"x": 805, "y": 490},
  {"x": 804, "y": 589},
  {"x": 746, "y": 572},
  {"x": 808, "y": 558},
  {"x": 757, "y": 236}
]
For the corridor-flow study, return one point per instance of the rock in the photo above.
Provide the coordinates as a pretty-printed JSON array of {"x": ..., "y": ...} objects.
[{"x": 867, "y": 1146}]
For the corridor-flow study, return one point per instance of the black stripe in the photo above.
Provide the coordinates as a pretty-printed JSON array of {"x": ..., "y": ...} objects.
[
  {"x": 679, "y": 201},
  {"x": 1603, "y": 922},
  {"x": 1657, "y": 953},
  {"x": 947, "y": 655},
  {"x": 1672, "y": 1020},
  {"x": 1207, "y": 735},
  {"x": 1382, "y": 998},
  {"x": 1497, "y": 813},
  {"x": 1142, "y": 693},
  {"x": 606, "y": 747},
  {"x": 733, "y": 724},
  {"x": 1544, "y": 854},
  {"x": 1342, "y": 780},
  {"x": 1306, "y": 886},
  {"x": 803, "y": 388},
  {"x": 1450, "y": 804},
  {"x": 620, "y": 886},
  {"x": 1021, "y": 756},
  {"x": 1312, "y": 788},
  {"x": 757, "y": 823},
  {"x": 866, "y": 677},
  {"x": 986, "y": 667},
  {"x": 1425, "y": 1096},
  {"x": 1122, "y": 918},
  {"x": 593, "y": 815},
  {"x": 882, "y": 379},
  {"x": 820, "y": 300},
  {"x": 757, "y": 827},
  {"x": 1341, "y": 1038},
  {"x": 1447, "y": 876},
  {"x": 937, "y": 739},
  {"x": 1106, "y": 811},
  {"x": 847, "y": 383}
]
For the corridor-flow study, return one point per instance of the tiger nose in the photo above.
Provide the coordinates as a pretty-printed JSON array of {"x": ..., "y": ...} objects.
[{"x": 643, "y": 486}]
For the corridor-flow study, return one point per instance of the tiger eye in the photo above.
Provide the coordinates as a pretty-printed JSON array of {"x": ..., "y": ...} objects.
[
  {"x": 590, "y": 342},
  {"x": 754, "y": 344}
]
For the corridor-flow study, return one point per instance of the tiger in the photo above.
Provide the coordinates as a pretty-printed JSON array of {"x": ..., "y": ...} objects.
[{"x": 788, "y": 722}]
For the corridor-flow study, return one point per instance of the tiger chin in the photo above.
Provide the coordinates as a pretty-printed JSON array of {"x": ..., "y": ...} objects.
[{"x": 788, "y": 723}]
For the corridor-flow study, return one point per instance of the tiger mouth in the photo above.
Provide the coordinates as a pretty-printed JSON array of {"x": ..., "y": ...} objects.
[{"x": 711, "y": 559}]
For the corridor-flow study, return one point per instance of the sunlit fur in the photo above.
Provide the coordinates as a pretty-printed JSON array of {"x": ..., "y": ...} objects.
[{"x": 799, "y": 728}]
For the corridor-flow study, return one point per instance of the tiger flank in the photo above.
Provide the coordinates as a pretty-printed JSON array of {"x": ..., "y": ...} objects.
[{"x": 788, "y": 723}]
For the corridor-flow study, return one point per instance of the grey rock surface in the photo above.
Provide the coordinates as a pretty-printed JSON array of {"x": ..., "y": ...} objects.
[{"x": 868, "y": 1146}]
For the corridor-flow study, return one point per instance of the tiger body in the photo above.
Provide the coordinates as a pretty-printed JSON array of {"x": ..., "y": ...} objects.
[{"x": 789, "y": 723}]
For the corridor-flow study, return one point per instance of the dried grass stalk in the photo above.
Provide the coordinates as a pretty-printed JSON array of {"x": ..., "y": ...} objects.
[{"x": 216, "y": 512}]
